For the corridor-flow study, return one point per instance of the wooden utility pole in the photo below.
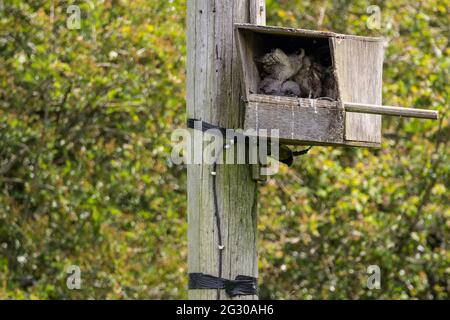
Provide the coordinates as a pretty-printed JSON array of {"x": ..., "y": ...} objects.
[
  {"x": 214, "y": 92},
  {"x": 222, "y": 200}
]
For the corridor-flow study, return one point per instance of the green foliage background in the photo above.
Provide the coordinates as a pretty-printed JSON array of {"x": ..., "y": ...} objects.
[{"x": 85, "y": 123}]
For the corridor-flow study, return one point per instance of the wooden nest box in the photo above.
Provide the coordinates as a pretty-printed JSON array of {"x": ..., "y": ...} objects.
[{"x": 349, "y": 117}]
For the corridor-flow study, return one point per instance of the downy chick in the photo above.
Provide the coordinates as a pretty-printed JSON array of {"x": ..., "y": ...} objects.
[
  {"x": 270, "y": 86},
  {"x": 277, "y": 65},
  {"x": 277, "y": 68},
  {"x": 329, "y": 88},
  {"x": 309, "y": 78},
  {"x": 290, "y": 89}
]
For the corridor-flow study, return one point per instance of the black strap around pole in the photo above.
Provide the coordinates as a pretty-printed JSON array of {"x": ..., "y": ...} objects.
[
  {"x": 287, "y": 156},
  {"x": 240, "y": 286},
  {"x": 205, "y": 126}
]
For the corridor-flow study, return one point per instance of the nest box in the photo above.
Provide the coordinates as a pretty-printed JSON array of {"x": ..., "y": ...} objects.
[{"x": 352, "y": 118}]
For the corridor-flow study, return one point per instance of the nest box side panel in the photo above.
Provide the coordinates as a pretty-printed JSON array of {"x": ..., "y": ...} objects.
[
  {"x": 249, "y": 46},
  {"x": 359, "y": 70}
]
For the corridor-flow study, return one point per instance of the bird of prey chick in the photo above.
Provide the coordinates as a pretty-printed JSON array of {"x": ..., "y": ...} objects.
[
  {"x": 275, "y": 87},
  {"x": 280, "y": 66},
  {"x": 309, "y": 78},
  {"x": 270, "y": 86},
  {"x": 290, "y": 89},
  {"x": 329, "y": 87},
  {"x": 295, "y": 75}
]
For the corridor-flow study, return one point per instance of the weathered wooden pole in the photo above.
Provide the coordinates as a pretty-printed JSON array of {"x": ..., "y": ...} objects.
[{"x": 214, "y": 94}]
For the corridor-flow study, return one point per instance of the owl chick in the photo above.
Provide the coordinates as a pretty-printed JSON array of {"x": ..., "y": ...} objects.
[
  {"x": 270, "y": 86},
  {"x": 309, "y": 78},
  {"x": 277, "y": 65},
  {"x": 329, "y": 88},
  {"x": 290, "y": 89}
]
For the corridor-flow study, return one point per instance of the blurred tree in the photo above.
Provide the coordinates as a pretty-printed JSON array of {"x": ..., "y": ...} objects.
[
  {"x": 85, "y": 122},
  {"x": 340, "y": 210}
]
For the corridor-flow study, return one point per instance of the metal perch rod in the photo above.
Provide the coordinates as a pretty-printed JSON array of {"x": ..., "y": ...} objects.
[{"x": 391, "y": 111}]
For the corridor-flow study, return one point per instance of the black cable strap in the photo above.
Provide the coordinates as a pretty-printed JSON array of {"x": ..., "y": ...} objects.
[
  {"x": 205, "y": 126},
  {"x": 218, "y": 223},
  {"x": 241, "y": 285},
  {"x": 287, "y": 157}
]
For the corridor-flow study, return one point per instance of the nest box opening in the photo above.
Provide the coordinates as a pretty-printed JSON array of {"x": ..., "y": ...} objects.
[
  {"x": 290, "y": 66},
  {"x": 298, "y": 80},
  {"x": 296, "y": 64}
]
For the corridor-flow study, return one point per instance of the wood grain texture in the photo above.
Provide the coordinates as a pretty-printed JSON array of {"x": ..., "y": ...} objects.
[
  {"x": 391, "y": 111},
  {"x": 258, "y": 12},
  {"x": 359, "y": 69},
  {"x": 301, "y": 32},
  {"x": 258, "y": 17},
  {"x": 214, "y": 91},
  {"x": 299, "y": 121},
  {"x": 247, "y": 46}
]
